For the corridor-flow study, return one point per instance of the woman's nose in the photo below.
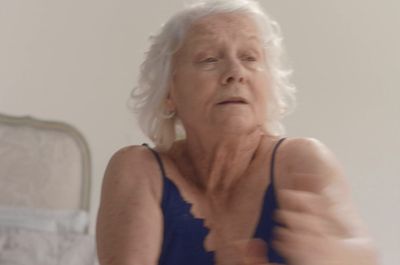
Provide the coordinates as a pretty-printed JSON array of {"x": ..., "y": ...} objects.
[{"x": 233, "y": 73}]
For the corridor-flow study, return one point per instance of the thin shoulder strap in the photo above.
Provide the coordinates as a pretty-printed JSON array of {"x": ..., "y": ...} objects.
[
  {"x": 158, "y": 158},
  {"x": 272, "y": 167}
]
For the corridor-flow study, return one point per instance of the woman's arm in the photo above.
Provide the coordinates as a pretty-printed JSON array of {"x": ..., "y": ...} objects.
[
  {"x": 320, "y": 223},
  {"x": 129, "y": 222}
]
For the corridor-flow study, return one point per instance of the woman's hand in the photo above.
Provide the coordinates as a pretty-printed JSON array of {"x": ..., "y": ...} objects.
[
  {"x": 244, "y": 252},
  {"x": 312, "y": 232},
  {"x": 256, "y": 253}
]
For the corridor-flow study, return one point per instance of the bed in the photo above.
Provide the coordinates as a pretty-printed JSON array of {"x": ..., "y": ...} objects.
[{"x": 44, "y": 194}]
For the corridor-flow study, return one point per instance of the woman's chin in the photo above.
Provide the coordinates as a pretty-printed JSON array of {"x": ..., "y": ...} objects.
[{"x": 238, "y": 125}]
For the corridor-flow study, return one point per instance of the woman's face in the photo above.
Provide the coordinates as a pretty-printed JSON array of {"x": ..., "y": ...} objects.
[{"x": 220, "y": 79}]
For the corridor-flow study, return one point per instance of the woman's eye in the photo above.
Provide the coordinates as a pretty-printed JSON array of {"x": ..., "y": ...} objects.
[
  {"x": 249, "y": 58},
  {"x": 210, "y": 60}
]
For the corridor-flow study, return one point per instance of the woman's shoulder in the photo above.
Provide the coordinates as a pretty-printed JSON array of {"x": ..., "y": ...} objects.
[
  {"x": 296, "y": 148},
  {"x": 134, "y": 166},
  {"x": 308, "y": 152},
  {"x": 131, "y": 158},
  {"x": 306, "y": 162}
]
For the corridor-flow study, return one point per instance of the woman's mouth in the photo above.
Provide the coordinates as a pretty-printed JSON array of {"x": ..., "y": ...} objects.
[{"x": 233, "y": 101}]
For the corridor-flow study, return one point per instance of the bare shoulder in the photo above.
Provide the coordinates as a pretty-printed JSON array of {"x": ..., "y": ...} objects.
[
  {"x": 305, "y": 152},
  {"x": 308, "y": 164},
  {"x": 130, "y": 156},
  {"x": 133, "y": 166},
  {"x": 129, "y": 220}
]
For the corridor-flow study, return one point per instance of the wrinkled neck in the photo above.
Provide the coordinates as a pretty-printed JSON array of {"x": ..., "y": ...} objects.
[{"x": 217, "y": 163}]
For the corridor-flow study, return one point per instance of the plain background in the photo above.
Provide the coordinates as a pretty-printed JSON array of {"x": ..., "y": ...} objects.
[{"x": 76, "y": 61}]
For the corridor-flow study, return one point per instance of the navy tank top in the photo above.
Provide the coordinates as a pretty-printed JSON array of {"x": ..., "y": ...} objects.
[{"x": 184, "y": 234}]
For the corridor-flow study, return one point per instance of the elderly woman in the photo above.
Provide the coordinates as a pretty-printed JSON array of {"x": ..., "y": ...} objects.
[{"x": 222, "y": 186}]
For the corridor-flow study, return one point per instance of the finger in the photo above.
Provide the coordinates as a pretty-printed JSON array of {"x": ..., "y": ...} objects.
[
  {"x": 283, "y": 234},
  {"x": 299, "y": 222},
  {"x": 288, "y": 244},
  {"x": 303, "y": 201},
  {"x": 283, "y": 242}
]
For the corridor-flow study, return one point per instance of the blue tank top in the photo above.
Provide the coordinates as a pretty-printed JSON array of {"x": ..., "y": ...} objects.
[{"x": 184, "y": 234}]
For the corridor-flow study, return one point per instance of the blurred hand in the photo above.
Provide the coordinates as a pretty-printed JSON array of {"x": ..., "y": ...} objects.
[{"x": 312, "y": 232}]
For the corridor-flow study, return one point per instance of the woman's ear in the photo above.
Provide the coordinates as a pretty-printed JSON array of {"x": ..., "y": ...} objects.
[
  {"x": 169, "y": 103},
  {"x": 170, "y": 99},
  {"x": 169, "y": 107}
]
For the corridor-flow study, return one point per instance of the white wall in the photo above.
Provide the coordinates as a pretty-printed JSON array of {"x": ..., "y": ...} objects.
[
  {"x": 76, "y": 61},
  {"x": 346, "y": 60}
]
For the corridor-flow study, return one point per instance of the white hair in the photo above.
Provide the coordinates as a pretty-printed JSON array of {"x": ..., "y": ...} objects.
[{"x": 155, "y": 73}]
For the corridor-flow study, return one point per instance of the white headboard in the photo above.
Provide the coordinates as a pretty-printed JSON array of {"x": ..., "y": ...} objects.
[{"x": 43, "y": 164}]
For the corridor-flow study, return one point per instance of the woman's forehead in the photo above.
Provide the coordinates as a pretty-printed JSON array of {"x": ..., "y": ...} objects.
[{"x": 213, "y": 26}]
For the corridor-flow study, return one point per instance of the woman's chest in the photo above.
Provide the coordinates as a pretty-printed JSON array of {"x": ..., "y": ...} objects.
[{"x": 225, "y": 217}]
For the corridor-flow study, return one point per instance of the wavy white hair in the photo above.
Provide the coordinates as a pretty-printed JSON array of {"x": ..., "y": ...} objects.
[{"x": 148, "y": 97}]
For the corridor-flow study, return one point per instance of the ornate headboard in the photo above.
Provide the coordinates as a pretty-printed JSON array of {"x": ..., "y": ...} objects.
[{"x": 43, "y": 164}]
